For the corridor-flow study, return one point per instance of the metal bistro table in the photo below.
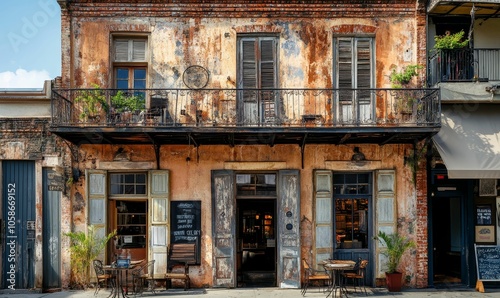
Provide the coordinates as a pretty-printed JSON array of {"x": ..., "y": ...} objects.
[
  {"x": 336, "y": 268},
  {"x": 121, "y": 277}
]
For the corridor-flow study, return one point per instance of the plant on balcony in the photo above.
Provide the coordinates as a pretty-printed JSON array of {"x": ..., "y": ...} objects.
[
  {"x": 396, "y": 245},
  {"x": 450, "y": 41},
  {"x": 93, "y": 103},
  {"x": 124, "y": 105},
  {"x": 402, "y": 79}
]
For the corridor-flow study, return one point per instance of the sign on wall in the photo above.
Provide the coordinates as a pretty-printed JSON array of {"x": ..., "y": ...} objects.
[{"x": 487, "y": 264}]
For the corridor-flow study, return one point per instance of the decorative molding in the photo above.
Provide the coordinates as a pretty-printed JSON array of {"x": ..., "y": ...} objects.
[
  {"x": 126, "y": 165},
  {"x": 255, "y": 165},
  {"x": 353, "y": 165}
]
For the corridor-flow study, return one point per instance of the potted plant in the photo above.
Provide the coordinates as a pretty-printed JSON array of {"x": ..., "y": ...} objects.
[
  {"x": 404, "y": 99},
  {"x": 450, "y": 41},
  {"x": 396, "y": 245},
  {"x": 125, "y": 105},
  {"x": 84, "y": 248},
  {"x": 93, "y": 103}
]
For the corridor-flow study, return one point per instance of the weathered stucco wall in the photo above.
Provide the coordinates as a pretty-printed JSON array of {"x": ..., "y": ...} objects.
[
  {"x": 305, "y": 50},
  {"x": 191, "y": 180}
]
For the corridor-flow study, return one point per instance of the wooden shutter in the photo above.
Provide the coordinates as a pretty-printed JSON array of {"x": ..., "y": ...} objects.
[
  {"x": 364, "y": 70},
  {"x": 138, "y": 50},
  {"x": 130, "y": 50},
  {"x": 158, "y": 205},
  {"x": 257, "y": 70},
  {"x": 248, "y": 105},
  {"x": 385, "y": 213},
  {"x": 223, "y": 229},
  {"x": 323, "y": 222},
  {"x": 121, "y": 50},
  {"x": 288, "y": 229},
  {"x": 345, "y": 82},
  {"x": 97, "y": 205},
  {"x": 354, "y": 65}
]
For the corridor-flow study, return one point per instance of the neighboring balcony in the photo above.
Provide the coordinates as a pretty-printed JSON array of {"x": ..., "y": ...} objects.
[
  {"x": 237, "y": 116},
  {"x": 464, "y": 65}
]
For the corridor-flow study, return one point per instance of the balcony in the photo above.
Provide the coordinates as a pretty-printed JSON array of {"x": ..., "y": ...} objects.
[
  {"x": 464, "y": 65},
  {"x": 237, "y": 116}
]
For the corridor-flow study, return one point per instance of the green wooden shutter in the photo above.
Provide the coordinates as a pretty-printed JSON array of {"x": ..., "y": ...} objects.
[
  {"x": 344, "y": 78},
  {"x": 323, "y": 222},
  {"x": 158, "y": 205},
  {"x": 96, "y": 186},
  {"x": 385, "y": 213}
]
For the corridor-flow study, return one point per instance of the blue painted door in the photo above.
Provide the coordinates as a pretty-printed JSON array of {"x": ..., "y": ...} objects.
[{"x": 18, "y": 235}]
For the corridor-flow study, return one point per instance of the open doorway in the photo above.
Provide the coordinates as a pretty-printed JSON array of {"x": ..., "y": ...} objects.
[
  {"x": 256, "y": 232},
  {"x": 447, "y": 237}
]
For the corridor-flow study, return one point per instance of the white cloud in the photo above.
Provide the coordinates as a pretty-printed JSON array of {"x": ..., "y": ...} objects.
[{"x": 23, "y": 78}]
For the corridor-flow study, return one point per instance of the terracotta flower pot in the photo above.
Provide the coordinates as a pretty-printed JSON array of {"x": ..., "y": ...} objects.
[{"x": 394, "y": 281}]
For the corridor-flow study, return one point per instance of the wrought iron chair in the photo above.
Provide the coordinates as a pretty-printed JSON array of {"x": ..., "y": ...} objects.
[
  {"x": 358, "y": 275},
  {"x": 144, "y": 275},
  {"x": 313, "y": 276},
  {"x": 102, "y": 277}
]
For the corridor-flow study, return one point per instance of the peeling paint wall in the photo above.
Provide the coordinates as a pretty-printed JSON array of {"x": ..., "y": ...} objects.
[
  {"x": 190, "y": 180},
  {"x": 190, "y": 33}
]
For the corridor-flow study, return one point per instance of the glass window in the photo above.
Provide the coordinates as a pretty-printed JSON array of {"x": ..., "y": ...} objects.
[{"x": 128, "y": 184}]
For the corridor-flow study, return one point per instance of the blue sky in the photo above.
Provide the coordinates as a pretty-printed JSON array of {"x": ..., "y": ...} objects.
[{"x": 30, "y": 42}]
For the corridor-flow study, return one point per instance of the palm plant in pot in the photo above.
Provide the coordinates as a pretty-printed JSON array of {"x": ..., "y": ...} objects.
[{"x": 396, "y": 245}]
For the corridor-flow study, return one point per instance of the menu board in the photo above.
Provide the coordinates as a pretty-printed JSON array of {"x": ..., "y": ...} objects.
[
  {"x": 488, "y": 262},
  {"x": 185, "y": 223}
]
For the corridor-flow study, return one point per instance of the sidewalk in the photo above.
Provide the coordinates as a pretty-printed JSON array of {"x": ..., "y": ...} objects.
[{"x": 263, "y": 293}]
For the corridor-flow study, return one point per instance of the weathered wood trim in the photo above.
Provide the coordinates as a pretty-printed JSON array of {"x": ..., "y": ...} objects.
[
  {"x": 368, "y": 165},
  {"x": 126, "y": 165},
  {"x": 255, "y": 165}
]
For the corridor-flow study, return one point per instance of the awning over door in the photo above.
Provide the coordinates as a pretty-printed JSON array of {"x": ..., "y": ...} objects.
[{"x": 469, "y": 141}]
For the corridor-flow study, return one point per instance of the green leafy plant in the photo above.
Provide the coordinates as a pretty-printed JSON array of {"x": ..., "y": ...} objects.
[
  {"x": 396, "y": 246},
  {"x": 450, "y": 41},
  {"x": 93, "y": 102},
  {"x": 404, "y": 77},
  {"x": 123, "y": 102},
  {"x": 84, "y": 248}
]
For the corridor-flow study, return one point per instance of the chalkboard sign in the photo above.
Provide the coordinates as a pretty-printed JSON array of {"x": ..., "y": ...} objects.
[
  {"x": 488, "y": 262},
  {"x": 185, "y": 223}
]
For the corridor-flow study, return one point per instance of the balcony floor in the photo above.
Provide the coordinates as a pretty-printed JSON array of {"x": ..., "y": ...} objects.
[{"x": 244, "y": 136}]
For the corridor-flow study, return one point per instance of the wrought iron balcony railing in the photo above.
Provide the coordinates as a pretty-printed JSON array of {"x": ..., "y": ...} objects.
[
  {"x": 240, "y": 108},
  {"x": 464, "y": 65}
]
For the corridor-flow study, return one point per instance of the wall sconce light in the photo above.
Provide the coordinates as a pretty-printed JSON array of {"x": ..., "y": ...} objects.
[
  {"x": 358, "y": 155},
  {"x": 257, "y": 216}
]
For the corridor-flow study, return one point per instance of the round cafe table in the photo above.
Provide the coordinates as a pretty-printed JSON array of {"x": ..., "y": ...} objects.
[{"x": 337, "y": 282}]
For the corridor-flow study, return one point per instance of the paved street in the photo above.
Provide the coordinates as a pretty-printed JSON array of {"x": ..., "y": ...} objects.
[{"x": 265, "y": 293}]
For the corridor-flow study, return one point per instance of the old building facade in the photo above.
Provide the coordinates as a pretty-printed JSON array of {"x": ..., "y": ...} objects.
[{"x": 266, "y": 132}]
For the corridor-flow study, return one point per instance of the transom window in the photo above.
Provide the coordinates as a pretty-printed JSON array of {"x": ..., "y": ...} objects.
[{"x": 128, "y": 184}]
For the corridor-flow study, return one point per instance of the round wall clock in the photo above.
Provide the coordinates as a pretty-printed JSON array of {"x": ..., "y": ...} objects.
[{"x": 195, "y": 77}]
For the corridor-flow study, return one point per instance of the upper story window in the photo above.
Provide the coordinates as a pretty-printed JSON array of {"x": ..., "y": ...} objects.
[
  {"x": 354, "y": 69},
  {"x": 130, "y": 63},
  {"x": 257, "y": 69}
]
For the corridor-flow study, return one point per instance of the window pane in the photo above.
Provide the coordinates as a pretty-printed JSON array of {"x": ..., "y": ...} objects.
[
  {"x": 122, "y": 73},
  {"x": 130, "y": 184}
]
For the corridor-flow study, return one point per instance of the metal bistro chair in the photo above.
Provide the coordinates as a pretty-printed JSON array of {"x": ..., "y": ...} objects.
[
  {"x": 358, "y": 275},
  {"x": 142, "y": 276},
  {"x": 101, "y": 276},
  {"x": 313, "y": 276}
]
